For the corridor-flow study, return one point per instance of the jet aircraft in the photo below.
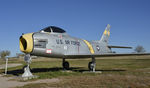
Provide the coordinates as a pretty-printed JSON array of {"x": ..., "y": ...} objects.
[{"x": 54, "y": 42}]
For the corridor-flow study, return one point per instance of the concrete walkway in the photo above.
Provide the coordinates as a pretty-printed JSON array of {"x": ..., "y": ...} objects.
[
  {"x": 9, "y": 65},
  {"x": 8, "y": 82}
]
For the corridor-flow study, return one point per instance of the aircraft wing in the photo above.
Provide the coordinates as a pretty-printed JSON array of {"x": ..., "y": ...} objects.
[
  {"x": 105, "y": 55},
  {"x": 119, "y": 47}
]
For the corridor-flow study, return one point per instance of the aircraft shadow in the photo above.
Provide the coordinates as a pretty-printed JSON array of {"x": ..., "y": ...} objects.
[
  {"x": 55, "y": 69},
  {"x": 112, "y": 70},
  {"x": 15, "y": 72},
  {"x": 37, "y": 70}
]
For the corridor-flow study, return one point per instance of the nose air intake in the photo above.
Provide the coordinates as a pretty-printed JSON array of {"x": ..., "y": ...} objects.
[
  {"x": 23, "y": 45},
  {"x": 26, "y": 43}
]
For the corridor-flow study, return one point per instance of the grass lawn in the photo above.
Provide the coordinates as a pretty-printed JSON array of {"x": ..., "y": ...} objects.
[{"x": 117, "y": 72}]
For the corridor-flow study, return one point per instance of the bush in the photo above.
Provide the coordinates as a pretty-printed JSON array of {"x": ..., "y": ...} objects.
[
  {"x": 139, "y": 49},
  {"x": 5, "y": 53}
]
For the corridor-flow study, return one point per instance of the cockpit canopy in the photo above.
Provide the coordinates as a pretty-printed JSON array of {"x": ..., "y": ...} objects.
[{"x": 53, "y": 29}]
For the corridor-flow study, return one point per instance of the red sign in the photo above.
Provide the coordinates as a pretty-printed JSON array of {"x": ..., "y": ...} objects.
[{"x": 49, "y": 51}]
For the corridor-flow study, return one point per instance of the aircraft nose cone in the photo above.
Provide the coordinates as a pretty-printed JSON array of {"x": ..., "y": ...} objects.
[{"x": 26, "y": 43}]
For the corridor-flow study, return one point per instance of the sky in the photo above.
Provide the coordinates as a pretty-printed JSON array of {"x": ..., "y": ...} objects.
[{"x": 86, "y": 19}]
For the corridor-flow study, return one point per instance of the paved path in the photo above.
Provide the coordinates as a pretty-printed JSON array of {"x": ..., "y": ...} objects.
[
  {"x": 9, "y": 65},
  {"x": 6, "y": 82}
]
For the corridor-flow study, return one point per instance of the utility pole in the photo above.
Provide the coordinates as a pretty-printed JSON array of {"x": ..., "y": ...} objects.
[{"x": 6, "y": 58}]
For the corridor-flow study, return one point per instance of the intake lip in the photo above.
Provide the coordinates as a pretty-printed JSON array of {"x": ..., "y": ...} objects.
[{"x": 26, "y": 43}]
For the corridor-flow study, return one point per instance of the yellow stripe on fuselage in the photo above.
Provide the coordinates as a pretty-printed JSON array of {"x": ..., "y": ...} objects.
[{"x": 89, "y": 46}]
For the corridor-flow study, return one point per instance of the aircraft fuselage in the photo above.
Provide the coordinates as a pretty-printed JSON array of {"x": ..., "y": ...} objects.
[{"x": 60, "y": 44}]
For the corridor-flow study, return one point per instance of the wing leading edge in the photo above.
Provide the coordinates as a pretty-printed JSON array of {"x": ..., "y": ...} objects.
[{"x": 104, "y": 55}]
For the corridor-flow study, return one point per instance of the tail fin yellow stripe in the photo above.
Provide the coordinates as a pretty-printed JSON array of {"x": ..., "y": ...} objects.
[
  {"x": 107, "y": 32},
  {"x": 89, "y": 46}
]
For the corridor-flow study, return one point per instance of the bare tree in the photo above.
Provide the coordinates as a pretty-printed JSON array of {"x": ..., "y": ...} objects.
[
  {"x": 139, "y": 49},
  {"x": 5, "y": 53}
]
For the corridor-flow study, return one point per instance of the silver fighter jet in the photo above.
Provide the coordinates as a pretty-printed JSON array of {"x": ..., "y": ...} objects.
[{"x": 54, "y": 42}]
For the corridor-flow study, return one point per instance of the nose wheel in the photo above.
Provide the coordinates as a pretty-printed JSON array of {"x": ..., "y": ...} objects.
[{"x": 65, "y": 64}]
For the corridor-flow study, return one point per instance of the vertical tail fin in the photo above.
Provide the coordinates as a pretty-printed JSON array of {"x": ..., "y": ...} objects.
[{"x": 106, "y": 34}]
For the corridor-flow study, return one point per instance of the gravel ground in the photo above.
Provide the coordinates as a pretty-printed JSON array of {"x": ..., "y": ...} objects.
[{"x": 8, "y": 82}]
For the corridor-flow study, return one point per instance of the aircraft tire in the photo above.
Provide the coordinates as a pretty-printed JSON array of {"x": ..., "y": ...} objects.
[
  {"x": 91, "y": 66},
  {"x": 66, "y": 65}
]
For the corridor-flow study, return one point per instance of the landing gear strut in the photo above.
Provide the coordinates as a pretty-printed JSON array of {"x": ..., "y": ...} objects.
[
  {"x": 25, "y": 67},
  {"x": 65, "y": 64},
  {"x": 92, "y": 65},
  {"x": 27, "y": 72}
]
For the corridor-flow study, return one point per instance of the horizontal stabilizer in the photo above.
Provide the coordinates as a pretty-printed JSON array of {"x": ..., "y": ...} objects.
[{"x": 120, "y": 47}]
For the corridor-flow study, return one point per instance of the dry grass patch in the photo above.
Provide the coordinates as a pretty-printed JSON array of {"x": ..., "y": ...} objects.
[
  {"x": 104, "y": 81},
  {"x": 117, "y": 72},
  {"x": 98, "y": 81}
]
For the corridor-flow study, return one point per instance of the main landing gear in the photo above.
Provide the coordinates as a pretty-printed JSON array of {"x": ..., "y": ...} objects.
[
  {"x": 65, "y": 64},
  {"x": 91, "y": 65}
]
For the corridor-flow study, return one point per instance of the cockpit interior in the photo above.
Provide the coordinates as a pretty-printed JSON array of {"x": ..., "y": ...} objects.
[{"x": 52, "y": 29}]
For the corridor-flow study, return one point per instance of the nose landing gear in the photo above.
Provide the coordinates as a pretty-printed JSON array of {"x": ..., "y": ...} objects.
[{"x": 27, "y": 72}]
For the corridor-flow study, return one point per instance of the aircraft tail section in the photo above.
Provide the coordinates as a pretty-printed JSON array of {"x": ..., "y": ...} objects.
[{"x": 106, "y": 34}]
